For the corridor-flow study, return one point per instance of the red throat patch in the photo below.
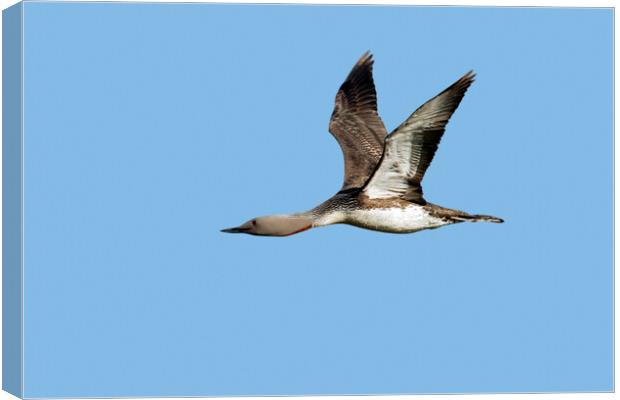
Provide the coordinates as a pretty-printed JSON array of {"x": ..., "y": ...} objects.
[{"x": 305, "y": 228}]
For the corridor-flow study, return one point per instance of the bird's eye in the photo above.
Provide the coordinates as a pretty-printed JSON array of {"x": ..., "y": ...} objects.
[{"x": 254, "y": 222}]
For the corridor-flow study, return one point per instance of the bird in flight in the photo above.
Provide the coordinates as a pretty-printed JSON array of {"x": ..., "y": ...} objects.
[{"x": 383, "y": 173}]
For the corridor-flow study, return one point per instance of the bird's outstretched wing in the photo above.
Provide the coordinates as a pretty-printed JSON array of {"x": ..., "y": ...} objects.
[
  {"x": 356, "y": 125},
  {"x": 409, "y": 150}
]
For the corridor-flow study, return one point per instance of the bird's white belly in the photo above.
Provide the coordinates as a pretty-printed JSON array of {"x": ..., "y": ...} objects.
[{"x": 398, "y": 220}]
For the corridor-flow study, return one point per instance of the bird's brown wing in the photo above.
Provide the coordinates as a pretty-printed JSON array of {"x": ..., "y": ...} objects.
[
  {"x": 356, "y": 125},
  {"x": 409, "y": 150}
]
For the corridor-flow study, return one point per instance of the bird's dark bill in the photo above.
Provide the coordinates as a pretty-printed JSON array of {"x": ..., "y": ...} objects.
[{"x": 235, "y": 230}]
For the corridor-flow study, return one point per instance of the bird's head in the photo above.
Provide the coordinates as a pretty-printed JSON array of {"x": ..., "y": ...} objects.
[{"x": 273, "y": 225}]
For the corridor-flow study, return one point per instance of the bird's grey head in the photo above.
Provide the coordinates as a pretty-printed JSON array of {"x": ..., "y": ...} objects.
[{"x": 274, "y": 225}]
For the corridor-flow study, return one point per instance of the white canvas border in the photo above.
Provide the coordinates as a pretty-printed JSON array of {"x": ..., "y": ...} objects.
[{"x": 512, "y": 3}]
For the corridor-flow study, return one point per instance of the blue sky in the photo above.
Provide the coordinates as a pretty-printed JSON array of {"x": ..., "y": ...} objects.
[{"x": 149, "y": 127}]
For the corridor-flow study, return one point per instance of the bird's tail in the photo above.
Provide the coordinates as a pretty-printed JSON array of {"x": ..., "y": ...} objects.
[
  {"x": 479, "y": 217},
  {"x": 488, "y": 218}
]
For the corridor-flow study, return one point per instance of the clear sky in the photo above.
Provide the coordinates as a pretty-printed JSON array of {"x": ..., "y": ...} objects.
[{"x": 150, "y": 127}]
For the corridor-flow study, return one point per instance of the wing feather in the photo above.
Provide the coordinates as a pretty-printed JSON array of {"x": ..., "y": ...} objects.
[
  {"x": 409, "y": 150},
  {"x": 356, "y": 125}
]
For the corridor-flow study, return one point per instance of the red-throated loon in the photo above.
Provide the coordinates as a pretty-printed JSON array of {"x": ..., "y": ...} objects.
[{"x": 382, "y": 187}]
